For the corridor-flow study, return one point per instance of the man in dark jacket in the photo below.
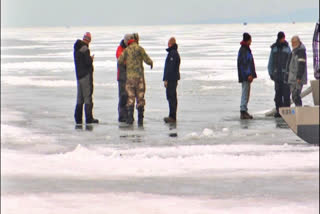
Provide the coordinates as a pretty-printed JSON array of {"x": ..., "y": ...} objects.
[
  {"x": 246, "y": 74},
  {"x": 170, "y": 77},
  {"x": 84, "y": 72},
  {"x": 278, "y": 59},
  {"x": 297, "y": 68}
]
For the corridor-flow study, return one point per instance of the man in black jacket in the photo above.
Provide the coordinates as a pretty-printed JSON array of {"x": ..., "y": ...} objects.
[
  {"x": 280, "y": 52},
  {"x": 170, "y": 77},
  {"x": 84, "y": 72}
]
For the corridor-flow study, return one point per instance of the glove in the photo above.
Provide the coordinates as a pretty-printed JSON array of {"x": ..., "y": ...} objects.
[
  {"x": 165, "y": 84},
  {"x": 250, "y": 78}
]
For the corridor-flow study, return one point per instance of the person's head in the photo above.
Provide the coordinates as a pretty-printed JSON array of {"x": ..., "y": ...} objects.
[
  {"x": 247, "y": 38},
  {"x": 295, "y": 42},
  {"x": 87, "y": 37},
  {"x": 171, "y": 42},
  {"x": 281, "y": 37},
  {"x": 136, "y": 37},
  {"x": 126, "y": 38}
]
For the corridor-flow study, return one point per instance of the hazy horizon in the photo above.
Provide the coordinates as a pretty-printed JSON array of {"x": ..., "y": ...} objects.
[{"x": 39, "y": 13}]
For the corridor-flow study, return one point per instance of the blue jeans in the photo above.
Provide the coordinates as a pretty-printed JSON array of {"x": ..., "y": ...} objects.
[{"x": 245, "y": 95}]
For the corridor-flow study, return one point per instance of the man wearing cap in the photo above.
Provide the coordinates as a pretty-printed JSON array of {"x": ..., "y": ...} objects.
[
  {"x": 122, "y": 78},
  {"x": 84, "y": 72},
  {"x": 171, "y": 76},
  {"x": 134, "y": 56},
  {"x": 278, "y": 59},
  {"x": 297, "y": 68},
  {"x": 246, "y": 74}
]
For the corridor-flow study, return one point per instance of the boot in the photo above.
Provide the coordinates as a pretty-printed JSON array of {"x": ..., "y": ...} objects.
[
  {"x": 245, "y": 116},
  {"x": 169, "y": 120},
  {"x": 276, "y": 115},
  {"x": 88, "y": 110},
  {"x": 140, "y": 116},
  {"x": 249, "y": 115},
  {"x": 78, "y": 113},
  {"x": 123, "y": 114},
  {"x": 130, "y": 115}
]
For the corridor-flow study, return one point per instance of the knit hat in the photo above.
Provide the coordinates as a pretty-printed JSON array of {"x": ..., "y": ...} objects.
[
  {"x": 246, "y": 37},
  {"x": 87, "y": 36},
  {"x": 280, "y": 35},
  {"x": 126, "y": 38}
]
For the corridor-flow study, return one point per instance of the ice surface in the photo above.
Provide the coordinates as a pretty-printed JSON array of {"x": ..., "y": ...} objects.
[{"x": 209, "y": 162}]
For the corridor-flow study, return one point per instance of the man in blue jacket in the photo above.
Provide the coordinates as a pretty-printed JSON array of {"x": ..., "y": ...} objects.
[
  {"x": 246, "y": 74},
  {"x": 84, "y": 72},
  {"x": 280, "y": 52},
  {"x": 170, "y": 77}
]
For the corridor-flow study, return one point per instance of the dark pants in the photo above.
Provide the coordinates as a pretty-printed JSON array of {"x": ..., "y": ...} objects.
[
  {"x": 172, "y": 98},
  {"x": 123, "y": 97},
  {"x": 282, "y": 95},
  {"x": 296, "y": 93}
]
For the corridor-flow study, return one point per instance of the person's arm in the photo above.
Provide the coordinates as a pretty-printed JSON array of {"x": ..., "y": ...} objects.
[
  {"x": 301, "y": 64},
  {"x": 87, "y": 58},
  {"x": 270, "y": 65},
  {"x": 146, "y": 58}
]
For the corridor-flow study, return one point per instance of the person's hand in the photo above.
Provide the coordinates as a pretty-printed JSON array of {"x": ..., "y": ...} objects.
[
  {"x": 250, "y": 78},
  {"x": 165, "y": 84},
  {"x": 298, "y": 81},
  {"x": 92, "y": 57},
  {"x": 151, "y": 66},
  {"x": 271, "y": 77}
]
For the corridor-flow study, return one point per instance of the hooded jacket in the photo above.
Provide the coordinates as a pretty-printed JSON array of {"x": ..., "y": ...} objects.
[
  {"x": 278, "y": 59},
  {"x": 172, "y": 64},
  {"x": 121, "y": 74},
  {"x": 297, "y": 65},
  {"x": 82, "y": 59},
  {"x": 245, "y": 63}
]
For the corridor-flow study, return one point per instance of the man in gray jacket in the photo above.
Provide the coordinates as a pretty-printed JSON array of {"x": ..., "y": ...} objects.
[{"x": 297, "y": 68}]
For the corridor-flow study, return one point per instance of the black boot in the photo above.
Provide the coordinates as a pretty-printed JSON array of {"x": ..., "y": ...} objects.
[
  {"x": 88, "y": 110},
  {"x": 78, "y": 113},
  {"x": 123, "y": 114},
  {"x": 130, "y": 115},
  {"x": 140, "y": 116},
  {"x": 245, "y": 115}
]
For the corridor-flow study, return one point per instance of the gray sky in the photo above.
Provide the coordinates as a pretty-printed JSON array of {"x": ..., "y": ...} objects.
[{"x": 149, "y": 12}]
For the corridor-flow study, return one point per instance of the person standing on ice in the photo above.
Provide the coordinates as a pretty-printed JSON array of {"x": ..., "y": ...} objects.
[
  {"x": 122, "y": 78},
  {"x": 297, "y": 68},
  {"x": 84, "y": 72},
  {"x": 246, "y": 74},
  {"x": 280, "y": 52},
  {"x": 134, "y": 56},
  {"x": 171, "y": 76}
]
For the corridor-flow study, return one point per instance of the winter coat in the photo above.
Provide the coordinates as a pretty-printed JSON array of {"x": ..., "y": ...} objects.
[
  {"x": 172, "y": 65},
  {"x": 121, "y": 74},
  {"x": 134, "y": 56},
  {"x": 245, "y": 63},
  {"x": 82, "y": 59},
  {"x": 278, "y": 59},
  {"x": 297, "y": 65}
]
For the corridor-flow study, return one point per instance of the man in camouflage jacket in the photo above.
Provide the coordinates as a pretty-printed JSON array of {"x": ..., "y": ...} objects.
[{"x": 134, "y": 56}]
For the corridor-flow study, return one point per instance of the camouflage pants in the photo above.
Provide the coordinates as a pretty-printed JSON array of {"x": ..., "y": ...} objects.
[{"x": 136, "y": 88}]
